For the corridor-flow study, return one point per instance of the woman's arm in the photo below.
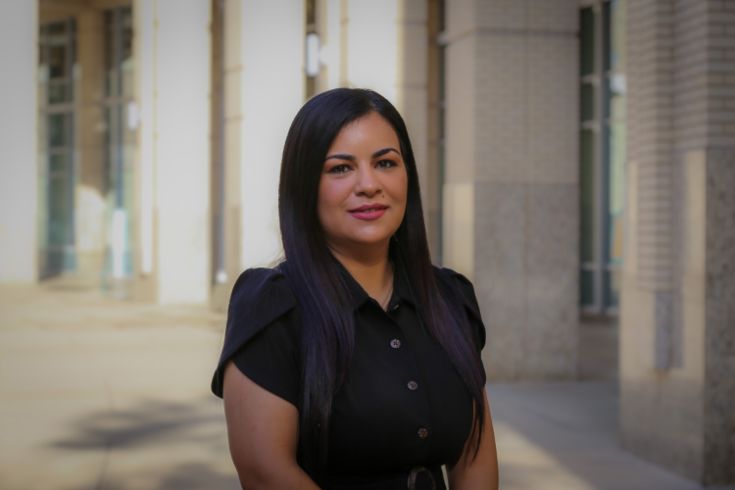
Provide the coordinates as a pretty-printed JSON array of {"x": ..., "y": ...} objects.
[
  {"x": 263, "y": 434},
  {"x": 480, "y": 473}
]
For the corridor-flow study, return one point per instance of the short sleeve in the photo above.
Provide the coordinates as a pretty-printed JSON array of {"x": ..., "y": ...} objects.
[
  {"x": 260, "y": 336},
  {"x": 464, "y": 291},
  {"x": 270, "y": 360},
  {"x": 472, "y": 306}
]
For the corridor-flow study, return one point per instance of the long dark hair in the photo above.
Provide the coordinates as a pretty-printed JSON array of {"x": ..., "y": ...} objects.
[{"x": 328, "y": 331}]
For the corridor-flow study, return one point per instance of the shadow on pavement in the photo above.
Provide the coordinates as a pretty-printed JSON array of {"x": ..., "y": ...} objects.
[
  {"x": 186, "y": 476},
  {"x": 153, "y": 421},
  {"x": 155, "y": 444}
]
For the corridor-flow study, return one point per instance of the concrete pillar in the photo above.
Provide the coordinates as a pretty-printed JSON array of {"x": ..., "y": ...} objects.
[
  {"x": 173, "y": 76},
  {"x": 265, "y": 74},
  {"x": 511, "y": 184},
  {"x": 18, "y": 142},
  {"x": 677, "y": 322}
]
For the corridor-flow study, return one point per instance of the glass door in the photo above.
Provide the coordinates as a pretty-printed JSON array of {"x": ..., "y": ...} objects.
[{"x": 56, "y": 100}]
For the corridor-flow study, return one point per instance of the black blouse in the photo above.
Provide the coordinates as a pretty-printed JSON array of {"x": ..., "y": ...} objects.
[{"x": 402, "y": 405}]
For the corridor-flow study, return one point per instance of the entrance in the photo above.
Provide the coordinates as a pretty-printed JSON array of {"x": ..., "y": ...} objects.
[{"x": 56, "y": 95}]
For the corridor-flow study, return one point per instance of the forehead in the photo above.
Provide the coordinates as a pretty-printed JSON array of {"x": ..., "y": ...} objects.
[{"x": 369, "y": 130}]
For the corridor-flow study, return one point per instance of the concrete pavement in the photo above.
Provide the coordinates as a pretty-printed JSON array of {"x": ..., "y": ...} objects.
[{"x": 103, "y": 394}]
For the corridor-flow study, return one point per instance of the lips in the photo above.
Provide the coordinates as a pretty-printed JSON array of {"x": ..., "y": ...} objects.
[{"x": 368, "y": 212}]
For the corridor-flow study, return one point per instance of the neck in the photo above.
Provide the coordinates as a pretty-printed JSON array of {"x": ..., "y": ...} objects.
[{"x": 371, "y": 270}]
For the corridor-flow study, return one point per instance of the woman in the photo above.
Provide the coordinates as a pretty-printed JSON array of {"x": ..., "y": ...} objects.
[{"x": 354, "y": 363}]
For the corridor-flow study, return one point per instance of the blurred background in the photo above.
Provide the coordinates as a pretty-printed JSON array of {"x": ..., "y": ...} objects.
[{"x": 577, "y": 162}]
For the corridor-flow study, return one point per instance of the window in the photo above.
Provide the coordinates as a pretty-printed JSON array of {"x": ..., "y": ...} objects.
[
  {"x": 57, "y": 42},
  {"x": 602, "y": 153}
]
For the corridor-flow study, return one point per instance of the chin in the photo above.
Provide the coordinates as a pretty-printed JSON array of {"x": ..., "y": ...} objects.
[{"x": 363, "y": 240}]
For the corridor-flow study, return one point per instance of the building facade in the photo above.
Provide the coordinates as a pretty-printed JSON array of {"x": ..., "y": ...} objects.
[{"x": 577, "y": 160}]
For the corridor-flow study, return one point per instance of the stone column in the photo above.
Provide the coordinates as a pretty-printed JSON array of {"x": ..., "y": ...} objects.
[
  {"x": 19, "y": 165},
  {"x": 266, "y": 79},
  {"x": 677, "y": 317},
  {"x": 173, "y": 225},
  {"x": 511, "y": 184}
]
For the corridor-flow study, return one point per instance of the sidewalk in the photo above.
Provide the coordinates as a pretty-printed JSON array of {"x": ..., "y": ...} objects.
[
  {"x": 564, "y": 436},
  {"x": 103, "y": 394}
]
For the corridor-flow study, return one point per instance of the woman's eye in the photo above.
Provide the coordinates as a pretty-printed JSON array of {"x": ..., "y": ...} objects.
[
  {"x": 339, "y": 169},
  {"x": 386, "y": 163}
]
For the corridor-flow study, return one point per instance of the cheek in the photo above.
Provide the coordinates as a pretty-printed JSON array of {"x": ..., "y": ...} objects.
[
  {"x": 330, "y": 199},
  {"x": 400, "y": 189}
]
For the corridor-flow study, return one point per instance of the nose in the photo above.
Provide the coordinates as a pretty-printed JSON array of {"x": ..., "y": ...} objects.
[{"x": 368, "y": 183}]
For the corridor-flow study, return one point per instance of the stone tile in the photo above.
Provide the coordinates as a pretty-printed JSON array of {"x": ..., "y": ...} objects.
[
  {"x": 553, "y": 15},
  {"x": 531, "y": 15},
  {"x": 413, "y": 54},
  {"x": 499, "y": 273},
  {"x": 505, "y": 14},
  {"x": 636, "y": 334},
  {"x": 413, "y": 11},
  {"x": 460, "y": 135},
  {"x": 719, "y": 450},
  {"x": 552, "y": 102},
  {"x": 501, "y": 110},
  {"x": 461, "y": 16},
  {"x": 526, "y": 275},
  {"x": 553, "y": 229},
  {"x": 413, "y": 108},
  {"x": 720, "y": 245},
  {"x": 551, "y": 268}
]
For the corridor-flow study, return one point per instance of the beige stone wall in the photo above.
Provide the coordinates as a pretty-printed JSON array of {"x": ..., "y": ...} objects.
[
  {"x": 677, "y": 333},
  {"x": 172, "y": 176},
  {"x": 19, "y": 171},
  {"x": 271, "y": 91},
  {"x": 511, "y": 188}
]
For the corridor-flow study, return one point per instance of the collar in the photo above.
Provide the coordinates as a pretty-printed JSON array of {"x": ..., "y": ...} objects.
[{"x": 358, "y": 296}]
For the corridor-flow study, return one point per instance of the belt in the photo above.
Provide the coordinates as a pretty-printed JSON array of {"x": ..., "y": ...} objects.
[
  {"x": 417, "y": 478},
  {"x": 431, "y": 477}
]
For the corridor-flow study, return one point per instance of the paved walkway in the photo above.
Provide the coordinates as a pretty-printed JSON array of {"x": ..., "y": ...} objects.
[{"x": 106, "y": 395}]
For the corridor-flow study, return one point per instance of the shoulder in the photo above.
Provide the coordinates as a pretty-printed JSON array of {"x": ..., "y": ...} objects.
[
  {"x": 457, "y": 288},
  {"x": 260, "y": 297},
  {"x": 449, "y": 279}
]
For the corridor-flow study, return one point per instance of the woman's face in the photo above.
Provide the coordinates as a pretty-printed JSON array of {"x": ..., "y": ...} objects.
[{"x": 363, "y": 186}]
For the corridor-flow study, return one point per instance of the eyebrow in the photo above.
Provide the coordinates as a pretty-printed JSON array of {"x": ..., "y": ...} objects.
[{"x": 351, "y": 158}]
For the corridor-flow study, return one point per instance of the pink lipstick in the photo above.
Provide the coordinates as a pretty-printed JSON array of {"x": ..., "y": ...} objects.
[{"x": 369, "y": 212}]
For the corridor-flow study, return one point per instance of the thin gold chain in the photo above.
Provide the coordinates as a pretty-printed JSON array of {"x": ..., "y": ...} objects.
[{"x": 384, "y": 302}]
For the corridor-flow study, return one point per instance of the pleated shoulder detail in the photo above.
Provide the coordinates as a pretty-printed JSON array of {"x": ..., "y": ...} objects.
[{"x": 259, "y": 297}]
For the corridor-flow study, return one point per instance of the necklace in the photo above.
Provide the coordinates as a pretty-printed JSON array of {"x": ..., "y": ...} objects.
[{"x": 386, "y": 299}]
